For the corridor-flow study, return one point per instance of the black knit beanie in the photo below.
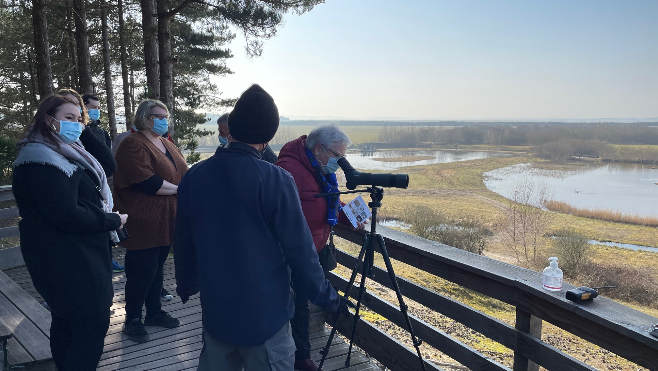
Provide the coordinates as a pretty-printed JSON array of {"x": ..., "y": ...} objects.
[{"x": 255, "y": 118}]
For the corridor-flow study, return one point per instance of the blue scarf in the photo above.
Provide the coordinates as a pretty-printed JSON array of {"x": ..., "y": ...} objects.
[{"x": 328, "y": 184}]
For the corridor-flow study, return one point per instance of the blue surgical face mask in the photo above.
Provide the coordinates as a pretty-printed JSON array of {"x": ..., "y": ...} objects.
[
  {"x": 94, "y": 114},
  {"x": 223, "y": 140},
  {"x": 69, "y": 131},
  {"x": 331, "y": 166},
  {"x": 160, "y": 126}
]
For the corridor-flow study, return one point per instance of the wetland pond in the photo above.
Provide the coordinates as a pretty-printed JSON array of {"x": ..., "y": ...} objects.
[
  {"x": 628, "y": 188},
  {"x": 395, "y": 159}
]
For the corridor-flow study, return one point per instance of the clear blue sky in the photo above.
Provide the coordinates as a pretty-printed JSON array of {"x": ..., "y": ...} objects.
[{"x": 460, "y": 59}]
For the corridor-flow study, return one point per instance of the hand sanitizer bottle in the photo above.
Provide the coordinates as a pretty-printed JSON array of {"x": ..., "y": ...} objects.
[{"x": 552, "y": 278}]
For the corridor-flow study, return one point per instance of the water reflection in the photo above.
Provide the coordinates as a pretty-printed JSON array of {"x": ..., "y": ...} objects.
[
  {"x": 624, "y": 187},
  {"x": 366, "y": 160},
  {"x": 624, "y": 245}
]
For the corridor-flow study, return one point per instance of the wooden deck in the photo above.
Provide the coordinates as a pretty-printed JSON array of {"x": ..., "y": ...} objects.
[{"x": 179, "y": 348}]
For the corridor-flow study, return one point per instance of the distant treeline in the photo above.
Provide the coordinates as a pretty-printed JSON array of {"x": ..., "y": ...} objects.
[
  {"x": 548, "y": 141},
  {"x": 452, "y": 123}
]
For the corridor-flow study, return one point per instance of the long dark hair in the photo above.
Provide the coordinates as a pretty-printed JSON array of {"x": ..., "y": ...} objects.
[{"x": 48, "y": 107}]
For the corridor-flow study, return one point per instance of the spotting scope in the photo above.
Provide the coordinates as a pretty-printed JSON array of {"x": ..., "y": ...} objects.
[{"x": 355, "y": 178}]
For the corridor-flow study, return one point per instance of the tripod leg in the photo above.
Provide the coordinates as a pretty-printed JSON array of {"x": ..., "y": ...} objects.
[
  {"x": 357, "y": 316},
  {"x": 403, "y": 306},
  {"x": 325, "y": 350}
]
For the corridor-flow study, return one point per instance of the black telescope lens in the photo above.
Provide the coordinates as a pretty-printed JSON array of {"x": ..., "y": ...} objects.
[{"x": 355, "y": 178}]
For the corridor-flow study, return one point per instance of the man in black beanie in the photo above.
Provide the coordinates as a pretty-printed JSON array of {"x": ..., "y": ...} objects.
[
  {"x": 266, "y": 113},
  {"x": 237, "y": 249}
]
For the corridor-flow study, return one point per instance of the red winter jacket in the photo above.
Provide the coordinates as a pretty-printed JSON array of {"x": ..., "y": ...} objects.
[{"x": 292, "y": 158}]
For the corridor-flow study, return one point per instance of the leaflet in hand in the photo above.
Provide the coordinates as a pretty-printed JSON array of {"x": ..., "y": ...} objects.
[{"x": 357, "y": 211}]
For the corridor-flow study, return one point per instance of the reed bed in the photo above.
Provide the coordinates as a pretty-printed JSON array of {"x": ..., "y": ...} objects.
[{"x": 601, "y": 214}]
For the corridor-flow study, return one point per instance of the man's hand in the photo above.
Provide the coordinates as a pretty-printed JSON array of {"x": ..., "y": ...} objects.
[
  {"x": 344, "y": 305},
  {"x": 341, "y": 307}
]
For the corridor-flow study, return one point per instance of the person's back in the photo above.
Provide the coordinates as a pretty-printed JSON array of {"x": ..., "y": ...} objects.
[
  {"x": 242, "y": 269},
  {"x": 240, "y": 231}
]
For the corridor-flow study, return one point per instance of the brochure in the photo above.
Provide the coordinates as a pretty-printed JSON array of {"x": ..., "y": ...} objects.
[{"x": 357, "y": 211}]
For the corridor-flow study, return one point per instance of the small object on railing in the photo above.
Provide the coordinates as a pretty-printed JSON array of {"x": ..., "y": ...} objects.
[
  {"x": 654, "y": 331},
  {"x": 552, "y": 278},
  {"x": 584, "y": 293}
]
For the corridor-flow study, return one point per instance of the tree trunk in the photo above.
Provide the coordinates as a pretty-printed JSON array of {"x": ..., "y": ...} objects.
[
  {"x": 166, "y": 67},
  {"x": 128, "y": 113},
  {"x": 150, "y": 30},
  {"x": 33, "y": 84},
  {"x": 42, "y": 49},
  {"x": 82, "y": 45},
  {"x": 71, "y": 45},
  {"x": 109, "y": 91},
  {"x": 132, "y": 80}
]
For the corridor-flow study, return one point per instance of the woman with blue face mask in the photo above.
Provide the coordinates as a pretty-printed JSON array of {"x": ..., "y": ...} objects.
[
  {"x": 313, "y": 161},
  {"x": 149, "y": 169},
  {"x": 66, "y": 227}
]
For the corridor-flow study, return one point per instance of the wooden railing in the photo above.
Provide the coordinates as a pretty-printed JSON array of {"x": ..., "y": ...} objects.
[
  {"x": 610, "y": 325},
  {"x": 10, "y": 257}
]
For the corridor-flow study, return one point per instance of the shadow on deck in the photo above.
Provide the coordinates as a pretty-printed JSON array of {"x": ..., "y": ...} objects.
[{"x": 179, "y": 348}]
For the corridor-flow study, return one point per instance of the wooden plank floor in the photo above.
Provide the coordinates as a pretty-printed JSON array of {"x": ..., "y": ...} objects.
[{"x": 179, "y": 348}]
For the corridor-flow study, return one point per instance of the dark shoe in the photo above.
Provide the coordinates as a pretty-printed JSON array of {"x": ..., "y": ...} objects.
[
  {"x": 162, "y": 319},
  {"x": 136, "y": 331},
  {"x": 305, "y": 364}
]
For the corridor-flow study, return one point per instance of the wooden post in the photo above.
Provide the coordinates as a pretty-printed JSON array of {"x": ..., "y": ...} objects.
[{"x": 530, "y": 324}]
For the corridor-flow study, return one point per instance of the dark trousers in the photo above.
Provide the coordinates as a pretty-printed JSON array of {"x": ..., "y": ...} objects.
[
  {"x": 300, "y": 326},
  {"x": 144, "y": 280},
  {"x": 76, "y": 343}
]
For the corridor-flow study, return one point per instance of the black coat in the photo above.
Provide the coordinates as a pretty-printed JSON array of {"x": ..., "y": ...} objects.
[
  {"x": 64, "y": 238},
  {"x": 97, "y": 146},
  {"x": 100, "y": 133}
]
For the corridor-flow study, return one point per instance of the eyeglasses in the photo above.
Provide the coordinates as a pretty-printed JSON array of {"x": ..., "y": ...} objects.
[
  {"x": 334, "y": 153},
  {"x": 160, "y": 117}
]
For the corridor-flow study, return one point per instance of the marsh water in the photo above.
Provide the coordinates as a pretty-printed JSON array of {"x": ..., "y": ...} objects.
[
  {"x": 628, "y": 188},
  {"x": 368, "y": 160}
]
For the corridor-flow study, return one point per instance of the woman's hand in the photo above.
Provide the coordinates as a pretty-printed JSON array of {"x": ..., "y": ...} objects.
[
  {"x": 360, "y": 226},
  {"x": 124, "y": 218}
]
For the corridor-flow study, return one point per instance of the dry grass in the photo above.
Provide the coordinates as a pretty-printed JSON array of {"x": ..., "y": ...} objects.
[{"x": 601, "y": 214}]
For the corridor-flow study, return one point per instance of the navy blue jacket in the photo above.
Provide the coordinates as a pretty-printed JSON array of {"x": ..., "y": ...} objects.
[{"x": 239, "y": 231}]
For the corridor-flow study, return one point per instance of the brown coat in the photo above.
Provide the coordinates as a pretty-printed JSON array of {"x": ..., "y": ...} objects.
[{"x": 151, "y": 218}]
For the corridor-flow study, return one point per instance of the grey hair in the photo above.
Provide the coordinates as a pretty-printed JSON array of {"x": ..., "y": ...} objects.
[
  {"x": 327, "y": 135},
  {"x": 144, "y": 110},
  {"x": 223, "y": 119}
]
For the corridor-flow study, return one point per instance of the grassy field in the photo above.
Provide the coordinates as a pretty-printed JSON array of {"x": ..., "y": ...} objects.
[{"x": 457, "y": 190}]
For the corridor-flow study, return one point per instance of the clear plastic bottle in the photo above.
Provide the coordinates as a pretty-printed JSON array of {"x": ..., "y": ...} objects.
[{"x": 552, "y": 278}]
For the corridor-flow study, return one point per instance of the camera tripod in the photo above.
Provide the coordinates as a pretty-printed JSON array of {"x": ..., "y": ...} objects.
[{"x": 367, "y": 255}]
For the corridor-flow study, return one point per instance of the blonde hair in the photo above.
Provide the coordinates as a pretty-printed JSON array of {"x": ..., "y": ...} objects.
[
  {"x": 144, "y": 110},
  {"x": 78, "y": 102}
]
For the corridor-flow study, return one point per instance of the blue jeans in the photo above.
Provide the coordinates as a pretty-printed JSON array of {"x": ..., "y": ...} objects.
[{"x": 276, "y": 354}]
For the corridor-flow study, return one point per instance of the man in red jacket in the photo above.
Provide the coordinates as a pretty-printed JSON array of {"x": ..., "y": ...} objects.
[{"x": 312, "y": 161}]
